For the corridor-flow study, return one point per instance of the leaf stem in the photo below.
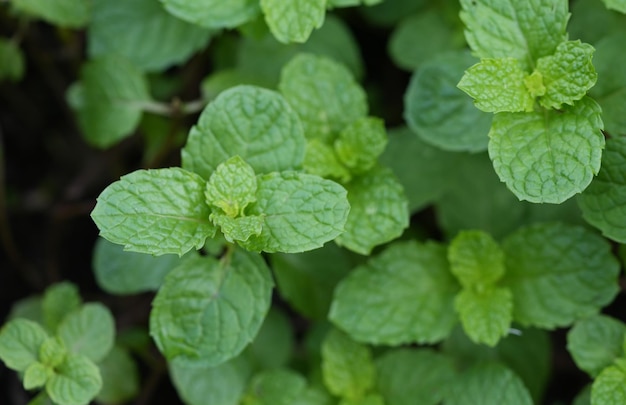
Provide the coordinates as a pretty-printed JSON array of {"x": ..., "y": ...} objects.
[{"x": 172, "y": 109}]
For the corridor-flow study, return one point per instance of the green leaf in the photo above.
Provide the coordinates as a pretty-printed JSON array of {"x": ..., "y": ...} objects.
[
  {"x": 603, "y": 203},
  {"x": 321, "y": 159},
  {"x": 213, "y": 13},
  {"x": 475, "y": 259},
  {"x": 254, "y": 123},
  {"x": 112, "y": 92},
  {"x": 12, "y": 67},
  {"x": 323, "y": 93},
  {"x": 36, "y": 376},
  {"x": 52, "y": 352},
  {"x": 371, "y": 399},
  {"x": 155, "y": 211},
  {"x": 120, "y": 377},
  {"x": 404, "y": 375},
  {"x": 548, "y": 156},
  {"x": 595, "y": 342},
  {"x": 361, "y": 143},
  {"x": 273, "y": 346},
  {"x": 485, "y": 313},
  {"x": 314, "y": 396},
  {"x": 75, "y": 382},
  {"x": 64, "y": 13},
  {"x": 58, "y": 301},
  {"x": 20, "y": 340},
  {"x": 293, "y": 21},
  {"x": 525, "y": 30},
  {"x": 231, "y": 187},
  {"x": 121, "y": 272},
  {"x": 301, "y": 212},
  {"x": 610, "y": 386},
  {"x": 550, "y": 264},
  {"x": 28, "y": 308},
  {"x": 238, "y": 229},
  {"x": 439, "y": 112},
  {"x": 390, "y": 12},
  {"x": 488, "y": 384},
  {"x": 497, "y": 85},
  {"x": 347, "y": 366},
  {"x": 89, "y": 331},
  {"x": 207, "y": 311},
  {"x": 617, "y": 5},
  {"x": 583, "y": 397},
  {"x": 378, "y": 213},
  {"x": 275, "y": 387},
  {"x": 567, "y": 75},
  {"x": 404, "y": 295},
  {"x": 144, "y": 33}
]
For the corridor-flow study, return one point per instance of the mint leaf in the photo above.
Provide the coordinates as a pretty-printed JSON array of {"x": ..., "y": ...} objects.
[
  {"x": 155, "y": 211},
  {"x": 498, "y": 85},
  {"x": 207, "y": 311},
  {"x": 378, "y": 213},
  {"x": 238, "y": 229},
  {"x": 548, "y": 264},
  {"x": 323, "y": 93},
  {"x": 254, "y": 123},
  {"x": 360, "y": 143},
  {"x": 76, "y": 381},
  {"x": 273, "y": 346},
  {"x": 293, "y": 21},
  {"x": 52, "y": 352},
  {"x": 610, "y": 386},
  {"x": 12, "y": 58},
  {"x": 231, "y": 187},
  {"x": 617, "y": 5},
  {"x": 548, "y": 156},
  {"x": 213, "y": 13},
  {"x": 275, "y": 387},
  {"x": 475, "y": 259},
  {"x": 143, "y": 32},
  {"x": 583, "y": 397},
  {"x": 300, "y": 211},
  {"x": 121, "y": 272},
  {"x": 486, "y": 313},
  {"x": 408, "y": 281},
  {"x": 371, "y": 399},
  {"x": 524, "y": 30},
  {"x": 20, "y": 340},
  {"x": 595, "y": 342},
  {"x": 403, "y": 375},
  {"x": 112, "y": 91},
  {"x": 347, "y": 366},
  {"x": 567, "y": 75},
  {"x": 64, "y": 13},
  {"x": 439, "y": 112},
  {"x": 89, "y": 331},
  {"x": 58, "y": 301},
  {"x": 36, "y": 376},
  {"x": 321, "y": 159},
  {"x": 603, "y": 203},
  {"x": 28, "y": 308},
  {"x": 120, "y": 377}
]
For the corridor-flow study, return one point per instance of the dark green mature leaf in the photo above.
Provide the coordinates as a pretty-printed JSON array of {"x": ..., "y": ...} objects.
[
  {"x": 76, "y": 381},
  {"x": 293, "y": 21},
  {"x": 12, "y": 67},
  {"x": 591, "y": 21},
  {"x": 64, "y": 13},
  {"x": 595, "y": 342},
  {"x": 558, "y": 274},
  {"x": 120, "y": 377},
  {"x": 273, "y": 346},
  {"x": 275, "y": 387},
  {"x": 618, "y": 5},
  {"x": 213, "y": 13},
  {"x": 610, "y": 386},
  {"x": 20, "y": 340},
  {"x": 88, "y": 331},
  {"x": 404, "y": 295}
]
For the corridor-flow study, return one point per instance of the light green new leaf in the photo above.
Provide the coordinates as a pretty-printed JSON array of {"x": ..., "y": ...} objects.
[
  {"x": 20, "y": 340},
  {"x": 155, "y": 211},
  {"x": 213, "y": 13},
  {"x": 232, "y": 186},
  {"x": 323, "y": 93},
  {"x": 361, "y": 143},
  {"x": 36, "y": 376},
  {"x": 486, "y": 314},
  {"x": 475, "y": 259},
  {"x": 58, "y": 301},
  {"x": 439, "y": 112},
  {"x": 111, "y": 92},
  {"x": 488, "y": 384},
  {"x": 52, "y": 352},
  {"x": 207, "y": 311},
  {"x": 75, "y": 382},
  {"x": 238, "y": 229},
  {"x": 404, "y": 295},
  {"x": 300, "y": 211},
  {"x": 548, "y": 156},
  {"x": 275, "y": 387},
  {"x": 618, "y": 5},
  {"x": 405, "y": 376},
  {"x": 293, "y": 21},
  {"x": 89, "y": 331},
  {"x": 610, "y": 386},
  {"x": 254, "y": 123},
  {"x": 558, "y": 274},
  {"x": 567, "y": 75},
  {"x": 347, "y": 366},
  {"x": 321, "y": 159},
  {"x": 525, "y": 30},
  {"x": 595, "y": 342},
  {"x": 12, "y": 66},
  {"x": 120, "y": 377},
  {"x": 143, "y": 32},
  {"x": 603, "y": 203},
  {"x": 64, "y": 13}
]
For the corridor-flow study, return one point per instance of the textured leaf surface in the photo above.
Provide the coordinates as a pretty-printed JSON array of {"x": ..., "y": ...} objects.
[
  {"x": 406, "y": 376},
  {"x": 360, "y": 143},
  {"x": 558, "y": 273},
  {"x": 322, "y": 160},
  {"x": 120, "y": 377},
  {"x": 232, "y": 187},
  {"x": 404, "y": 295},
  {"x": 12, "y": 58},
  {"x": 64, "y": 13},
  {"x": 595, "y": 342},
  {"x": 610, "y": 386},
  {"x": 548, "y": 156},
  {"x": 378, "y": 211},
  {"x": 155, "y": 211},
  {"x": 58, "y": 301},
  {"x": 475, "y": 258},
  {"x": 323, "y": 93},
  {"x": 75, "y": 382},
  {"x": 207, "y": 311},
  {"x": 275, "y": 387},
  {"x": 603, "y": 203},
  {"x": 89, "y": 331},
  {"x": 486, "y": 314},
  {"x": 293, "y": 21},
  {"x": 143, "y": 32},
  {"x": 20, "y": 340},
  {"x": 301, "y": 212},
  {"x": 36, "y": 376},
  {"x": 254, "y": 123},
  {"x": 439, "y": 112},
  {"x": 52, "y": 352},
  {"x": 213, "y": 13}
]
